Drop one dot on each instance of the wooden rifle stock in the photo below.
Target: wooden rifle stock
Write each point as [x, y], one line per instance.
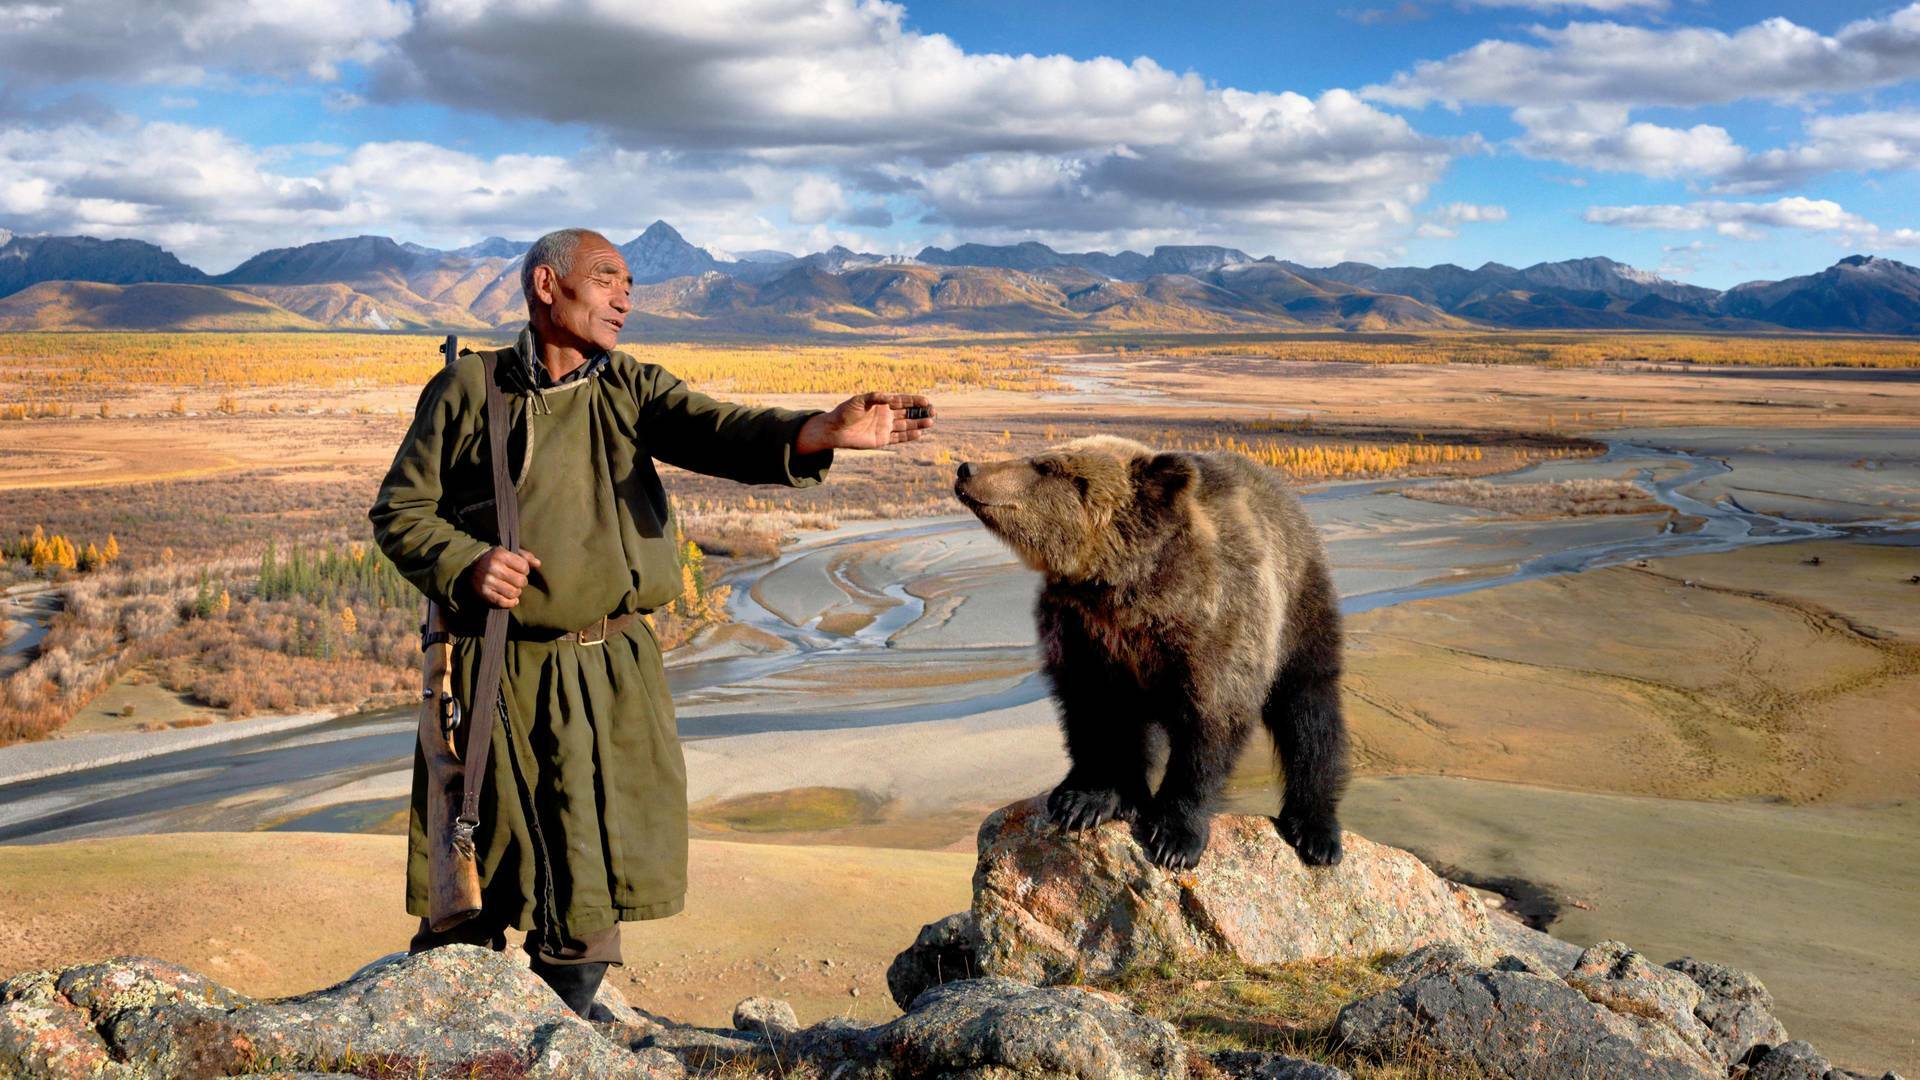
[453, 871]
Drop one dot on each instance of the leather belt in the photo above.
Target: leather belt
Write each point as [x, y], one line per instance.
[594, 633]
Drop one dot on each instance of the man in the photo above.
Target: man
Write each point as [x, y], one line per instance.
[583, 810]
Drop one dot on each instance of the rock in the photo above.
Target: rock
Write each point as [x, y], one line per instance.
[1253, 1065]
[945, 951]
[1428, 960]
[830, 1043]
[1516, 938]
[133, 1016]
[1049, 905]
[454, 1010]
[1518, 1025]
[993, 1027]
[702, 1049]
[1613, 975]
[1734, 1006]
[1794, 1060]
[768, 1016]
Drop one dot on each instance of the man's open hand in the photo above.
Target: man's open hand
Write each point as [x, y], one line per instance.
[499, 575]
[867, 422]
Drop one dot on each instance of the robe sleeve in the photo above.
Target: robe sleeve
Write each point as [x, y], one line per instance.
[686, 428]
[428, 550]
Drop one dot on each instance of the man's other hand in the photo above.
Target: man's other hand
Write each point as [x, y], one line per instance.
[867, 422]
[499, 575]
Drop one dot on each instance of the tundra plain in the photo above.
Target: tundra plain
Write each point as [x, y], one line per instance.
[1685, 721]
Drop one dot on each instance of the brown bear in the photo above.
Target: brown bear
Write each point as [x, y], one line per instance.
[1186, 596]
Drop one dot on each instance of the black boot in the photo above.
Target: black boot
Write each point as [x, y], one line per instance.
[577, 984]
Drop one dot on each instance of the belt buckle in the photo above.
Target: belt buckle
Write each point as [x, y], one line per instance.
[601, 640]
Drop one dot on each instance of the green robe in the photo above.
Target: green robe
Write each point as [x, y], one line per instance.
[589, 733]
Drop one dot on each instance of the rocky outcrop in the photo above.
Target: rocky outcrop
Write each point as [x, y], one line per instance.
[982, 996]
[455, 1011]
[1614, 1016]
[944, 951]
[1050, 906]
[997, 1027]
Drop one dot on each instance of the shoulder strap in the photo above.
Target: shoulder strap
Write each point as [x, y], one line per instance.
[493, 647]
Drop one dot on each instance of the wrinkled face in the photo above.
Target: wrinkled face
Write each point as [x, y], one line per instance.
[1054, 509]
[586, 307]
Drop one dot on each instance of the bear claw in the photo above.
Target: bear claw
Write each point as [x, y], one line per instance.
[1076, 809]
[1174, 843]
[1315, 840]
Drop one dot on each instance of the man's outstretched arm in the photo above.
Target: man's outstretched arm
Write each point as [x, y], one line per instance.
[686, 428]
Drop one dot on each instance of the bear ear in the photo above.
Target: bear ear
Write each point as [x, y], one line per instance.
[1162, 477]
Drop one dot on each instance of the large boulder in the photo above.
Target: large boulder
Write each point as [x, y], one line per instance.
[1515, 1024]
[1735, 1007]
[1051, 905]
[993, 1027]
[947, 950]
[454, 1011]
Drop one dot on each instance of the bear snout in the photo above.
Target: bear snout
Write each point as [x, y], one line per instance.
[965, 471]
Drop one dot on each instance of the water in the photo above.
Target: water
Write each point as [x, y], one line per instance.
[139, 795]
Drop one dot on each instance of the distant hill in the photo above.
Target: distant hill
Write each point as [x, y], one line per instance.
[1859, 292]
[374, 282]
[86, 305]
[29, 260]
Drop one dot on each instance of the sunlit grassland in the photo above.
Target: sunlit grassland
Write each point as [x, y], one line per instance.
[40, 368]
[1570, 349]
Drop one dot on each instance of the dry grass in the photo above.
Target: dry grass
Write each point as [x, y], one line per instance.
[1563, 498]
[48, 371]
[1220, 1003]
[1569, 349]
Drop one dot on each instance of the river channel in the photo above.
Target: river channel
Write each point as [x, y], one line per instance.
[1387, 549]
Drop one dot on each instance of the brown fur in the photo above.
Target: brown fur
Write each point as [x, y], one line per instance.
[1186, 596]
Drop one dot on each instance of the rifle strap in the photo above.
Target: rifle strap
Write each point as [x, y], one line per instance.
[493, 647]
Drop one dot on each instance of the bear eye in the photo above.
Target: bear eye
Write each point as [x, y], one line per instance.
[1046, 467]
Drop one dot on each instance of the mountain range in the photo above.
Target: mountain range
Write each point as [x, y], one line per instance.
[681, 289]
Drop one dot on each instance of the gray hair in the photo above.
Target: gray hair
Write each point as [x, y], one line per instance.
[556, 250]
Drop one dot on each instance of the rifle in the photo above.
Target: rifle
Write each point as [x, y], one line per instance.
[453, 871]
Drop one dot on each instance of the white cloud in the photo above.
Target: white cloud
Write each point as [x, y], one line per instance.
[1444, 224]
[1752, 220]
[832, 111]
[215, 200]
[1603, 137]
[1587, 62]
[1032, 145]
[1867, 141]
[179, 41]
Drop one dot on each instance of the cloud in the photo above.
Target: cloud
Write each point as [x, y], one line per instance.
[834, 112]
[1866, 141]
[1752, 220]
[1603, 137]
[215, 200]
[1606, 62]
[178, 41]
[1405, 12]
[1444, 223]
[1027, 144]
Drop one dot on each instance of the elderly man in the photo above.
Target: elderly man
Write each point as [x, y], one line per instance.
[583, 819]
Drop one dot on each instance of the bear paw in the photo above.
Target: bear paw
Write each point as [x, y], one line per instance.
[1175, 841]
[1078, 808]
[1315, 839]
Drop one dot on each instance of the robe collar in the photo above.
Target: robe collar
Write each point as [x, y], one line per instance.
[530, 374]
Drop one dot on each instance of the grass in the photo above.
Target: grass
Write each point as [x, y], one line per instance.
[1563, 498]
[1566, 349]
[1220, 1003]
[796, 809]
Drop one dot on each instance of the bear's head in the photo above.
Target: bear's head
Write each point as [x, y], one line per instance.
[1086, 510]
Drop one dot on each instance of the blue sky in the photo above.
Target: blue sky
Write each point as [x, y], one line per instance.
[1716, 143]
